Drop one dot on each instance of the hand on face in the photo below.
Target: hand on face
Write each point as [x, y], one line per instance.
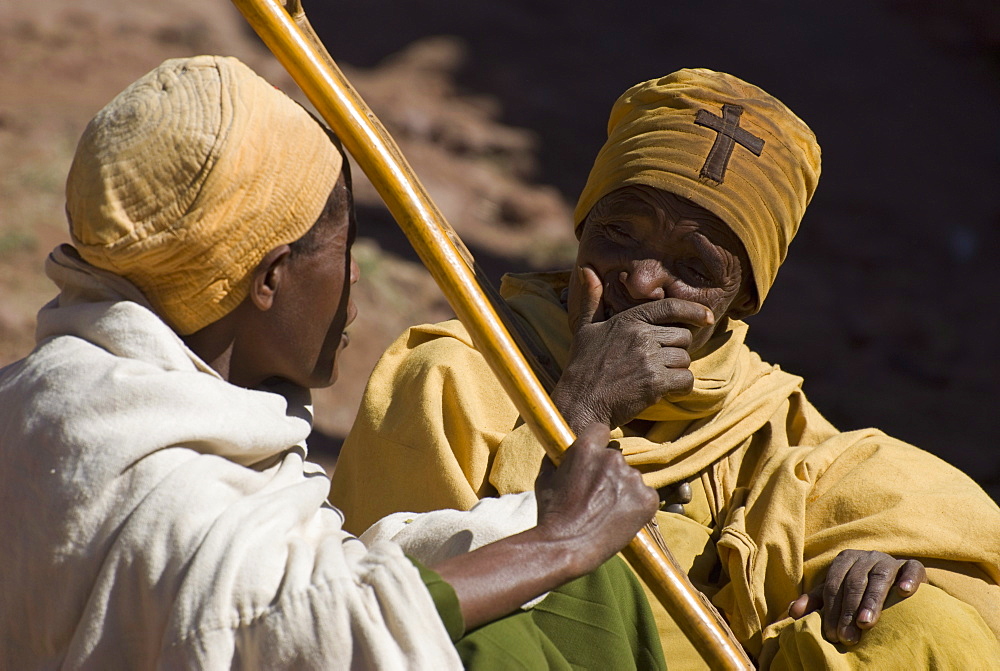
[655, 274]
[620, 366]
[855, 590]
[593, 500]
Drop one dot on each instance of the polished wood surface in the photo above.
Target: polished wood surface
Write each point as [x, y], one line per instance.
[287, 33]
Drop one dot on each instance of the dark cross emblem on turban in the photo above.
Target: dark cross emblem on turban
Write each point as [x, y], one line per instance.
[729, 133]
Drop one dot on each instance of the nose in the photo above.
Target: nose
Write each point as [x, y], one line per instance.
[645, 280]
[355, 271]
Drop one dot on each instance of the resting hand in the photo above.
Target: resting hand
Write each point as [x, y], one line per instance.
[620, 366]
[594, 501]
[855, 589]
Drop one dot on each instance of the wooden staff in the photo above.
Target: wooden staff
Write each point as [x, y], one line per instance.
[290, 38]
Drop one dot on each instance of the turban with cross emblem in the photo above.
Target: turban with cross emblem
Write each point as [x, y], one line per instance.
[723, 144]
[185, 180]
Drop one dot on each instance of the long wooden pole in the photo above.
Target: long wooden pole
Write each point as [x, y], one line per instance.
[301, 53]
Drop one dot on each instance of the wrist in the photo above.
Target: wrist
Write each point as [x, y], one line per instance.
[566, 556]
[577, 412]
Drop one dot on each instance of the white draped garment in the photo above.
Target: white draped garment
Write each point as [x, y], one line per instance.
[156, 516]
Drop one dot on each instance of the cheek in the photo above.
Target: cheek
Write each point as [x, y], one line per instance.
[717, 300]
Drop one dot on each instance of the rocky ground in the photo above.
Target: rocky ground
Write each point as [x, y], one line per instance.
[887, 305]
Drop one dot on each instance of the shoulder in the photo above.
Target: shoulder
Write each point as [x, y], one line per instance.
[429, 351]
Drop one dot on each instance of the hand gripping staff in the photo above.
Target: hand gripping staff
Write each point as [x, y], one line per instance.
[287, 33]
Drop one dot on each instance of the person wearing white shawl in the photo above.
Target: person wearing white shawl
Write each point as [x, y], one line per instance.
[159, 508]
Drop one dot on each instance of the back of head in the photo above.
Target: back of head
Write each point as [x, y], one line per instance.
[723, 144]
[185, 180]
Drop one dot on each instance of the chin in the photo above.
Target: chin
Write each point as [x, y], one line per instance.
[322, 378]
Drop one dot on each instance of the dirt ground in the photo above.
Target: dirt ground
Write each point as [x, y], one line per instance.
[888, 304]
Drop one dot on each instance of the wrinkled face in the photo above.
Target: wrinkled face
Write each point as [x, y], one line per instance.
[314, 305]
[647, 244]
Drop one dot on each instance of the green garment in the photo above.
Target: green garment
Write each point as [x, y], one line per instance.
[599, 621]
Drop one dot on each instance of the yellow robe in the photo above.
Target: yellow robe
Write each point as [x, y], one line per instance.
[778, 491]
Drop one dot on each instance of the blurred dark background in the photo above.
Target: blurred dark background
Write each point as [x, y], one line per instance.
[888, 302]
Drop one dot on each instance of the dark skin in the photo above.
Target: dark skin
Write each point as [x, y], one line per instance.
[291, 327]
[656, 276]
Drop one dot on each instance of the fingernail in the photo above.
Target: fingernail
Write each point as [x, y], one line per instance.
[865, 616]
[850, 634]
[711, 317]
[906, 586]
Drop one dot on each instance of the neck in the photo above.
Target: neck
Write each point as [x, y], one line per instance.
[214, 345]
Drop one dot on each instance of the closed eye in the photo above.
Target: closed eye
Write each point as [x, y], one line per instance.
[617, 232]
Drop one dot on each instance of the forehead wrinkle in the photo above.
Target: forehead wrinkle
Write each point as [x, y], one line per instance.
[624, 204]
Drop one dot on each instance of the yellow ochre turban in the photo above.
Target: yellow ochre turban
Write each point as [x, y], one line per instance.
[185, 180]
[723, 144]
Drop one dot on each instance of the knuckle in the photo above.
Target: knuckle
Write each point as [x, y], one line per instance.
[674, 357]
[882, 572]
[870, 602]
[855, 584]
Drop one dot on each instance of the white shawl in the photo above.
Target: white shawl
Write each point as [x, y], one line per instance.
[155, 516]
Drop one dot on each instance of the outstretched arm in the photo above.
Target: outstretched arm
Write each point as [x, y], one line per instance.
[588, 509]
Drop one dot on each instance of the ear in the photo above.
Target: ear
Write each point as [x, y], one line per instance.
[268, 277]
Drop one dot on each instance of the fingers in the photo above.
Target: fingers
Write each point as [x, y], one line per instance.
[880, 579]
[833, 597]
[672, 356]
[591, 292]
[856, 588]
[807, 603]
[595, 435]
[672, 311]
[666, 336]
[677, 382]
[593, 480]
[910, 576]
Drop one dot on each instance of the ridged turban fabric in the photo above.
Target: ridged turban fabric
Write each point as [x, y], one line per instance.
[776, 490]
[185, 180]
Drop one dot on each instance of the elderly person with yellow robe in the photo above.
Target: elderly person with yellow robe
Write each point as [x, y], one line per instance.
[159, 510]
[822, 548]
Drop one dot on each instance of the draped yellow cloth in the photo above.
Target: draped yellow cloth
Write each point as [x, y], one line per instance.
[779, 491]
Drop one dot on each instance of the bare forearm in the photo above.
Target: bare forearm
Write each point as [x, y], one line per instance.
[588, 509]
[497, 579]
